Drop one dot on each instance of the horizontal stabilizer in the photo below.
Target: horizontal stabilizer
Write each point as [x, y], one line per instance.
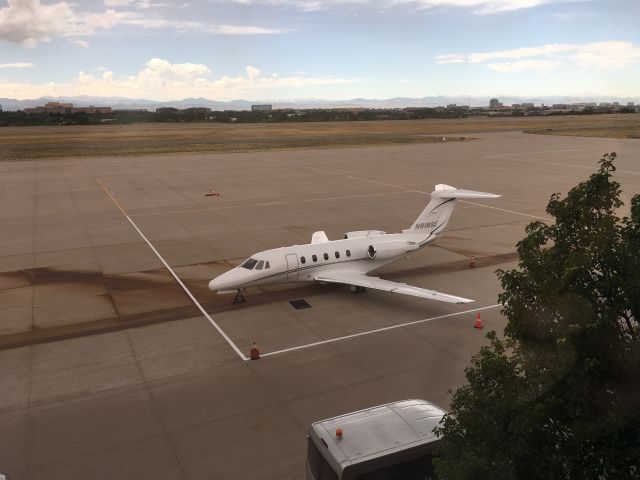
[319, 237]
[447, 191]
[377, 283]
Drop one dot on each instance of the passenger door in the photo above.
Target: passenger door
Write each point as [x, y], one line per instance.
[292, 267]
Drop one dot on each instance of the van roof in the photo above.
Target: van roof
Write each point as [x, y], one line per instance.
[380, 430]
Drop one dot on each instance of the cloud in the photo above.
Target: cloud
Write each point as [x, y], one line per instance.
[245, 30]
[118, 3]
[480, 7]
[514, 53]
[606, 55]
[17, 65]
[79, 42]
[29, 22]
[520, 65]
[163, 80]
[126, 3]
[158, 68]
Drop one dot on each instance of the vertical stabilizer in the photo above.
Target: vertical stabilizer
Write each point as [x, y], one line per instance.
[434, 218]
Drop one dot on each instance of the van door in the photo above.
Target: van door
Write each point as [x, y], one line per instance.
[292, 267]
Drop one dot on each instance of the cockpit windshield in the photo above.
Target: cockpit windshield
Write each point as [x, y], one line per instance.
[249, 263]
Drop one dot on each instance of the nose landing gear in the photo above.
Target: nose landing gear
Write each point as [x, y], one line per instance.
[239, 297]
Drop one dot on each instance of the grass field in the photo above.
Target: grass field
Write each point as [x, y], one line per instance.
[24, 143]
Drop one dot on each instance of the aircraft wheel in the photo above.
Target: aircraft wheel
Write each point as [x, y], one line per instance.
[239, 298]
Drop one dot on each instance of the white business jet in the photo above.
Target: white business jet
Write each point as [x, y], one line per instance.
[347, 261]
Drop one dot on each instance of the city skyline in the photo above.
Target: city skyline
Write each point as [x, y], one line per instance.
[281, 50]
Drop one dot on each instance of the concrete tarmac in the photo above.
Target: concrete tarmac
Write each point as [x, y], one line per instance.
[110, 370]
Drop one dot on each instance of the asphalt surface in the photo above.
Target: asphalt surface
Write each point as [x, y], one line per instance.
[109, 369]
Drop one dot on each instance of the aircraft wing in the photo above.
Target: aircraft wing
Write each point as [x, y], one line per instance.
[377, 283]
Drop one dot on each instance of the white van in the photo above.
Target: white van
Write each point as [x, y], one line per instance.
[392, 441]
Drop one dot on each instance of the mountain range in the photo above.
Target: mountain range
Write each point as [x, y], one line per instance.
[117, 103]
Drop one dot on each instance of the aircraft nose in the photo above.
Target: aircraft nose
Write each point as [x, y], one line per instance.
[223, 282]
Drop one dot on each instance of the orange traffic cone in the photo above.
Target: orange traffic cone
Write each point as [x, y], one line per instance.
[254, 354]
[478, 322]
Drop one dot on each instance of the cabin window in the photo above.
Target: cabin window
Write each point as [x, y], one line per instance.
[303, 260]
[314, 258]
[348, 253]
[337, 254]
[249, 263]
[326, 256]
[260, 265]
[266, 265]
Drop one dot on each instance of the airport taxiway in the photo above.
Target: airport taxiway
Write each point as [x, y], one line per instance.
[108, 367]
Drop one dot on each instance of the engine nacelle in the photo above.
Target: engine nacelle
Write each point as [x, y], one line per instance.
[390, 249]
[364, 233]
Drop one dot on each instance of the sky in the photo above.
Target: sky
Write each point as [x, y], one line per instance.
[311, 49]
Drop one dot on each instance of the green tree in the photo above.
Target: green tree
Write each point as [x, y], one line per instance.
[559, 396]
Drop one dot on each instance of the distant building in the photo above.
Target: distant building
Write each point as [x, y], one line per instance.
[604, 105]
[261, 108]
[629, 104]
[92, 109]
[60, 108]
[495, 103]
[198, 110]
[527, 105]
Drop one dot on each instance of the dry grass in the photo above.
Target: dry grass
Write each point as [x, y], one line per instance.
[20, 143]
[632, 131]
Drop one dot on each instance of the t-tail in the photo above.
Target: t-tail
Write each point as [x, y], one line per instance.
[434, 218]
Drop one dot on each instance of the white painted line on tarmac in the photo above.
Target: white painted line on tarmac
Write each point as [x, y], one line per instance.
[545, 151]
[377, 330]
[406, 189]
[269, 204]
[552, 164]
[184, 287]
[505, 210]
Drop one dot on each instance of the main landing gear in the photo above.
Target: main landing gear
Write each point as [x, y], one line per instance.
[240, 297]
[357, 289]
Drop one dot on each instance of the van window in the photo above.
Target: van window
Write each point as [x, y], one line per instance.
[326, 256]
[314, 258]
[417, 469]
[348, 253]
[303, 260]
[337, 254]
[319, 467]
[260, 265]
